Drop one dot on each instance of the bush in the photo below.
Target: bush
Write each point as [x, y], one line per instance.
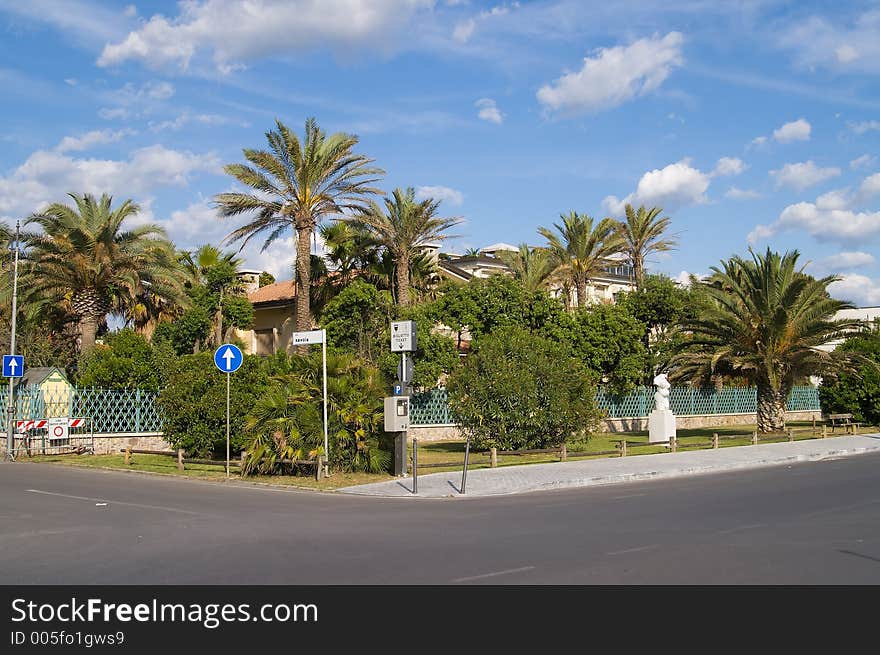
[125, 361]
[186, 333]
[608, 340]
[519, 390]
[286, 421]
[194, 403]
[357, 319]
[857, 394]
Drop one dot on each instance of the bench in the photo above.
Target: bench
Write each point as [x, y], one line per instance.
[843, 420]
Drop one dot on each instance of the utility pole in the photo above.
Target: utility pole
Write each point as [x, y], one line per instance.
[10, 401]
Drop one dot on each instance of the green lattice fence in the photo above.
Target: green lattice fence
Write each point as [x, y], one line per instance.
[432, 407]
[135, 410]
[111, 410]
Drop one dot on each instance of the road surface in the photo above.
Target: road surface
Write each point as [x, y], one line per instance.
[816, 522]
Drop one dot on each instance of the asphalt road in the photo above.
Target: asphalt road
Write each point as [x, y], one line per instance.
[816, 522]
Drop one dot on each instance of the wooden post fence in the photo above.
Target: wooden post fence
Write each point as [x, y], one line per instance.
[755, 438]
[715, 440]
[493, 457]
[128, 456]
[180, 459]
[563, 452]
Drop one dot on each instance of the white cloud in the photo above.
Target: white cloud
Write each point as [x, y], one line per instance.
[864, 126]
[464, 30]
[47, 175]
[865, 161]
[89, 139]
[116, 113]
[802, 175]
[186, 118]
[684, 278]
[852, 47]
[234, 31]
[838, 216]
[130, 11]
[489, 111]
[846, 54]
[758, 141]
[798, 130]
[741, 194]
[443, 193]
[670, 187]
[614, 75]
[729, 166]
[858, 289]
[870, 185]
[71, 81]
[846, 261]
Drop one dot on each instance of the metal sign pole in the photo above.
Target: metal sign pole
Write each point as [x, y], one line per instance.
[10, 401]
[324, 362]
[227, 425]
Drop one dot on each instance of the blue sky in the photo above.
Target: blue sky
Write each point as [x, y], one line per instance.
[750, 123]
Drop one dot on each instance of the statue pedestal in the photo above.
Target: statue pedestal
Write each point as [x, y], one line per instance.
[661, 425]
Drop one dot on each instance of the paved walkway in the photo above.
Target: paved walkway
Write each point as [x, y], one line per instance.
[561, 475]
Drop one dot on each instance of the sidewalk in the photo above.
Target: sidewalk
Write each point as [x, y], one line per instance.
[563, 475]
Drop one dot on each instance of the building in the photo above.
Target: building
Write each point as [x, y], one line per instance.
[274, 318]
[274, 311]
[867, 314]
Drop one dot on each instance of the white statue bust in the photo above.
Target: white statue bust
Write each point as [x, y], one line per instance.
[661, 396]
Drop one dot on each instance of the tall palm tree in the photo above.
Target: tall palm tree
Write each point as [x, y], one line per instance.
[531, 266]
[218, 271]
[642, 234]
[765, 321]
[581, 250]
[403, 228]
[297, 184]
[87, 256]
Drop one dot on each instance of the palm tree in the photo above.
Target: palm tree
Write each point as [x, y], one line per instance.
[87, 256]
[531, 266]
[297, 184]
[581, 250]
[403, 228]
[765, 321]
[218, 271]
[642, 233]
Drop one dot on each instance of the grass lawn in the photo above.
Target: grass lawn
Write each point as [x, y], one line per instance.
[450, 453]
[168, 465]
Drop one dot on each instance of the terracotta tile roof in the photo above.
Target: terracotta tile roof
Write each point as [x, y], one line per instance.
[278, 292]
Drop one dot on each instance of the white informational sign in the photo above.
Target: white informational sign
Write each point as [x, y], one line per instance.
[58, 428]
[403, 336]
[307, 338]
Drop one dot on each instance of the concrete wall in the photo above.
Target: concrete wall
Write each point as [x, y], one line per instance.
[111, 444]
[614, 425]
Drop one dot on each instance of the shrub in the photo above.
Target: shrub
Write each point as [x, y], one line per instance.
[520, 390]
[286, 422]
[357, 319]
[194, 403]
[608, 340]
[125, 361]
[856, 393]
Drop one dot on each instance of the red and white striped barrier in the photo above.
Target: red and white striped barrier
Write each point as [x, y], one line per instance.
[36, 424]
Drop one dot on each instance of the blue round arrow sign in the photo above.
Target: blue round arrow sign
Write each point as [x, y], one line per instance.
[228, 358]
